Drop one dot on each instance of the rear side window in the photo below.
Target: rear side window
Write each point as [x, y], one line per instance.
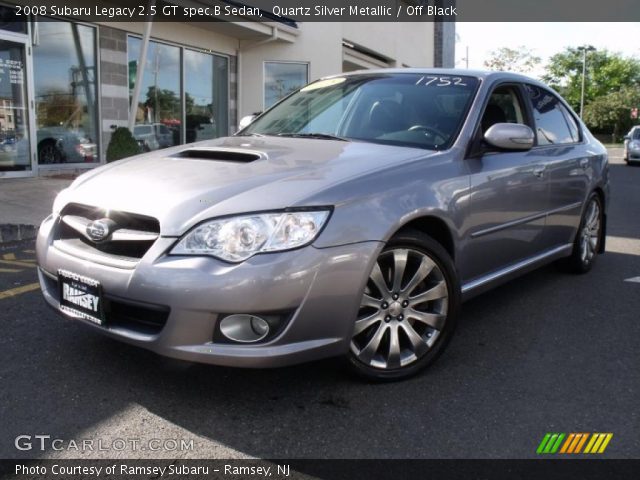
[554, 124]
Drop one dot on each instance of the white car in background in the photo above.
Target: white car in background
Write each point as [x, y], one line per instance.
[632, 145]
[153, 136]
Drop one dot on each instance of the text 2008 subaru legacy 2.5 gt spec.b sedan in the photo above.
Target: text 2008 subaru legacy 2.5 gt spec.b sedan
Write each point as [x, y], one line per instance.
[350, 219]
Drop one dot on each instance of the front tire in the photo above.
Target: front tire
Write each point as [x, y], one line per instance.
[587, 242]
[408, 310]
[48, 153]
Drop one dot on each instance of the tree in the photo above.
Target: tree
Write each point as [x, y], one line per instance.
[122, 145]
[507, 59]
[56, 107]
[164, 103]
[612, 112]
[606, 73]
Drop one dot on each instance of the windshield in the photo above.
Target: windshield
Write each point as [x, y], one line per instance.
[417, 110]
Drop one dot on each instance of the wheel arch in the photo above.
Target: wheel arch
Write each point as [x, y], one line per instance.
[436, 228]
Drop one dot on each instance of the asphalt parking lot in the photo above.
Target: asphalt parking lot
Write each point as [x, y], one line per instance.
[548, 352]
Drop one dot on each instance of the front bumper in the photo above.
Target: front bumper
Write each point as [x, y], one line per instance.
[633, 155]
[319, 288]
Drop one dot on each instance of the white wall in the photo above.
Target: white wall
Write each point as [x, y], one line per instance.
[320, 44]
[403, 42]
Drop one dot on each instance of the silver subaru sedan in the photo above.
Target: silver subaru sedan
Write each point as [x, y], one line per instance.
[351, 219]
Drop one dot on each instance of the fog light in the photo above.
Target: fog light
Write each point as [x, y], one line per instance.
[244, 328]
[259, 326]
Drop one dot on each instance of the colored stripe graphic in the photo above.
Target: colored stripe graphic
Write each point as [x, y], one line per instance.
[567, 443]
[550, 443]
[581, 443]
[556, 446]
[543, 443]
[572, 443]
[605, 443]
[598, 443]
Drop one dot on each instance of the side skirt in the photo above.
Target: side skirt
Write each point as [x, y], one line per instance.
[482, 284]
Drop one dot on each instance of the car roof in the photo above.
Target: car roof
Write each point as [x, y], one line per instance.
[480, 74]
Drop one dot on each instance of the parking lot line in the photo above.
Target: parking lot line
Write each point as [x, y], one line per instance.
[19, 290]
[9, 270]
[18, 263]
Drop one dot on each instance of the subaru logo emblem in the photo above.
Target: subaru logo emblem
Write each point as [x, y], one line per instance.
[99, 230]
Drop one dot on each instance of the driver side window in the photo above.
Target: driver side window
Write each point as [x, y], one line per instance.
[504, 107]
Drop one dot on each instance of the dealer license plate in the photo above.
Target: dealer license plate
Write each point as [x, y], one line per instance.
[80, 296]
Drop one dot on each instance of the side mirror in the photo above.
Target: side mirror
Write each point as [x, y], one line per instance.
[510, 136]
[245, 121]
[627, 137]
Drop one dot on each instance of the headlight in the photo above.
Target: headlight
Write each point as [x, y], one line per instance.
[238, 238]
[634, 145]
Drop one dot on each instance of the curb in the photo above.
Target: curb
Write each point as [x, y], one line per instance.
[14, 233]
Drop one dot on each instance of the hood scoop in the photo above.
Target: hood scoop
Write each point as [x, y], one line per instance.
[220, 154]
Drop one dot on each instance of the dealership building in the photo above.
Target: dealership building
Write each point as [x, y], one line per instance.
[66, 83]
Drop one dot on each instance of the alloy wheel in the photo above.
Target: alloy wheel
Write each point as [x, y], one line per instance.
[403, 310]
[590, 234]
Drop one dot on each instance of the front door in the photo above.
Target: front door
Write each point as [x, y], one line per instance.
[16, 159]
[508, 197]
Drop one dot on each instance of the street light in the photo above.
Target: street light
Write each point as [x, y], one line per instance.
[585, 49]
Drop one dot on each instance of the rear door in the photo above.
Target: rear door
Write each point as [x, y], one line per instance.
[509, 193]
[568, 164]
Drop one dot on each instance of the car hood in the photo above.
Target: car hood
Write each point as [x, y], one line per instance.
[182, 191]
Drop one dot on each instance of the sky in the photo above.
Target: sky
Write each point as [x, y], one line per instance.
[544, 39]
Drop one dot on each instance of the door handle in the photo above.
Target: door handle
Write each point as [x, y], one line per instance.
[538, 171]
[584, 162]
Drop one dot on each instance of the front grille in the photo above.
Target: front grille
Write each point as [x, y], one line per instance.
[132, 237]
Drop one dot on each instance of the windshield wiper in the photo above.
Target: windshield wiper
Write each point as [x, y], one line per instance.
[321, 136]
[249, 135]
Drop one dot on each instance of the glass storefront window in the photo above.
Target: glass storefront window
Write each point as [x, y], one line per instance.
[206, 93]
[65, 93]
[11, 22]
[14, 123]
[159, 115]
[281, 79]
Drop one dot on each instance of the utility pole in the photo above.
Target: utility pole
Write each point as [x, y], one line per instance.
[585, 49]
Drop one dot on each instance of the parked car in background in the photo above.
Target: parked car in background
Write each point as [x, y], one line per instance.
[631, 152]
[8, 144]
[153, 136]
[351, 219]
[164, 135]
[145, 135]
[64, 145]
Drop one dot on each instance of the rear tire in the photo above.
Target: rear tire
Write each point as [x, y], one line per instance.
[588, 238]
[408, 310]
